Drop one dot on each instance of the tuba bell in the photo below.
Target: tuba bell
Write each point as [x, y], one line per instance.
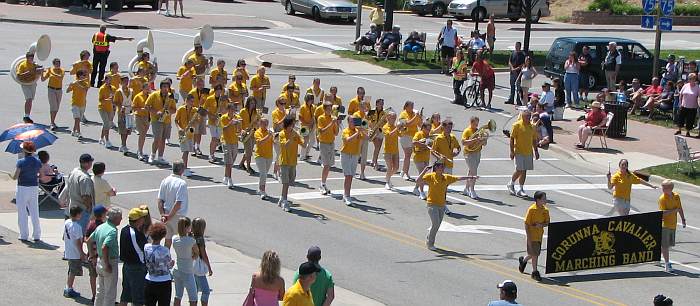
[304, 131]
[146, 43]
[484, 132]
[204, 38]
[41, 50]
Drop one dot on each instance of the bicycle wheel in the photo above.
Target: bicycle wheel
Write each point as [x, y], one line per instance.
[469, 96]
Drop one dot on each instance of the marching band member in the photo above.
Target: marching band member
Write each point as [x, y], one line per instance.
[621, 184]
[291, 96]
[333, 96]
[218, 75]
[263, 154]
[237, 91]
[55, 89]
[141, 117]
[354, 104]
[349, 154]
[523, 140]
[289, 143]
[435, 124]
[536, 219]
[437, 182]
[316, 91]
[79, 89]
[422, 154]
[411, 121]
[447, 147]
[83, 64]
[115, 77]
[306, 118]
[122, 102]
[364, 140]
[160, 105]
[200, 96]
[201, 63]
[216, 106]
[278, 116]
[171, 95]
[249, 120]
[327, 131]
[105, 107]
[259, 85]
[391, 148]
[186, 118]
[136, 83]
[375, 118]
[240, 68]
[230, 128]
[29, 72]
[472, 154]
[186, 74]
[291, 80]
[149, 68]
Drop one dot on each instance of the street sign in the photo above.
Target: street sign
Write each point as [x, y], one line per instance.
[648, 6]
[648, 22]
[667, 6]
[666, 23]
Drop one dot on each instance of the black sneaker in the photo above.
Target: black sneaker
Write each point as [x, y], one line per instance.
[522, 264]
[536, 276]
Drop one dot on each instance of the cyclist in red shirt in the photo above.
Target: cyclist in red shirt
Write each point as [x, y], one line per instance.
[483, 69]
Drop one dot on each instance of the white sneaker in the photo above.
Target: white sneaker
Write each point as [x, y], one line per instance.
[74, 134]
[668, 268]
[167, 141]
[473, 195]
[324, 189]
[122, 149]
[230, 182]
[108, 144]
[447, 211]
[187, 173]
[388, 186]
[101, 142]
[285, 205]
[467, 192]
[80, 137]
[416, 191]
[511, 188]
[521, 193]
[140, 156]
[422, 195]
[347, 200]
[363, 177]
[279, 202]
[151, 159]
[263, 196]
[224, 181]
[432, 248]
[162, 160]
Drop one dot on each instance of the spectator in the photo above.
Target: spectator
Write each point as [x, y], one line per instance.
[73, 250]
[635, 94]
[103, 189]
[267, 286]
[491, 34]
[547, 98]
[661, 300]
[107, 245]
[300, 293]
[663, 101]
[475, 44]
[376, 16]
[536, 219]
[80, 190]
[173, 200]
[559, 100]
[483, 69]
[571, 79]
[652, 92]
[692, 68]
[414, 44]
[689, 105]
[515, 65]
[48, 174]
[132, 240]
[158, 289]
[508, 294]
[99, 212]
[459, 73]
[677, 99]
[369, 39]
[670, 205]
[186, 250]
[202, 266]
[671, 73]
[584, 61]
[527, 73]
[622, 182]
[611, 64]
[27, 196]
[388, 42]
[543, 122]
[447, 40]
[322, 289]
[595, 118]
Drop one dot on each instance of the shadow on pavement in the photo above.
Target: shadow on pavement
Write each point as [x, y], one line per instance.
[617, 275]
[56, 213]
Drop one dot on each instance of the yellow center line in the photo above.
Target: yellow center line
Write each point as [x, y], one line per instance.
[474, 261]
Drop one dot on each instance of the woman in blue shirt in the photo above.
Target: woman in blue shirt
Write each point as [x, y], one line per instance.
[27, 197]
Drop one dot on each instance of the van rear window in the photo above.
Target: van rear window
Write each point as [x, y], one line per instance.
[561, 48]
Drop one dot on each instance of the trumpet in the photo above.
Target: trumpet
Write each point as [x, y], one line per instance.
[377, 126]
[482, 132]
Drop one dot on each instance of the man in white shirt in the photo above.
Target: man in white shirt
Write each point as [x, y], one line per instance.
[547, 98]
[448, 39]
[173, 200]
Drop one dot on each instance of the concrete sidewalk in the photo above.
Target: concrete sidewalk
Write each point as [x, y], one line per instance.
[322, 62]
[229, 283]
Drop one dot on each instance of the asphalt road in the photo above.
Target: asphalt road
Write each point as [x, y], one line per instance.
[376, 248]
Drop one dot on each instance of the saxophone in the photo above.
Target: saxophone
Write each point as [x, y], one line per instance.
[376, 128]
[188, 132]
[247, 133]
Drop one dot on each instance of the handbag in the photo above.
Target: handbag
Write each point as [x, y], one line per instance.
[250, 298]
[200, 267]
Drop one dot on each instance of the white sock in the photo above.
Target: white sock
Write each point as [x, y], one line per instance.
[521, 187]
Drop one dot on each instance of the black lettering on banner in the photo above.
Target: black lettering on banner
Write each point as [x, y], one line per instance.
[605, 242]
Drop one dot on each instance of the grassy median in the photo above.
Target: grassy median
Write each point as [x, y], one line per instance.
[669, 171]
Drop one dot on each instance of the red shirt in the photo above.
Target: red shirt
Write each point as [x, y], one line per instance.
[594, 118]
[483, 69]
[653, 90]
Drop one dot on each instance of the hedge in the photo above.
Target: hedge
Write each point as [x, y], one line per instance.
[621, 7]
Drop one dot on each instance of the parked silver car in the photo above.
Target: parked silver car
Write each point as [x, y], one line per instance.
[437, 8]
[499, 8]
[322, 9]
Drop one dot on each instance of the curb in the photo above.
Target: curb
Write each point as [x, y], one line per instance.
[658, 179]
[600, 30]
[298, 68]
[561, 151]
[73, 24]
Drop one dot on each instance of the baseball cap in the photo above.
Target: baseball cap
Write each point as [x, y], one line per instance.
[314, 253]
[137, 213]
[308, 268]
[84, 158]
[99, 209]
[508, 286]
[662, 300]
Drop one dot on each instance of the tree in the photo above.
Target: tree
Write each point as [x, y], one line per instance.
[527, 6]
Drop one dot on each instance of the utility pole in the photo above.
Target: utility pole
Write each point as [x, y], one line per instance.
[478, 16]
[657, 42]
[358, 20]
[389, 13]
[102, 10]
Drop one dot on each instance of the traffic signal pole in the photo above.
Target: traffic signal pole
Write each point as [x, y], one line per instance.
[657, 41]
[358, 20]
[389, 13]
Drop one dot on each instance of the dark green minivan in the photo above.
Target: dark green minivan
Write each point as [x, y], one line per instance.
[637, 61]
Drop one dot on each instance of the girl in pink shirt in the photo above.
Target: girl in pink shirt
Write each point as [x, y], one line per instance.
[689, 105]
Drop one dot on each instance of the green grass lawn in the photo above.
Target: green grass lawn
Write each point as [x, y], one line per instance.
[669, 171]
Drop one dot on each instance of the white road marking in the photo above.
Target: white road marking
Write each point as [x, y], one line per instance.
[303, 40]
[279, 24]
[579, 215]
[477, 228]
[216, 41]
[202, 14]
[269, 41]
[402, 87]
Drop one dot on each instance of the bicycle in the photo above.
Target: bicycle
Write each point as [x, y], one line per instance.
[471, 95]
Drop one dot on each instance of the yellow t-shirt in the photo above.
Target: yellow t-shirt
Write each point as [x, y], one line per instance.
[351, 147]
[247, 117]
[199, 97]
[289, 148]
[55, 77]
[296, 296]
[155, 103]
[284, 87]
[277, 119]
[318, 111]
[292, 101]
[105, 96]
[411, 128]
[353, 105]
[536, 215]
[524, 135]
[136, 84]
[82, 65]
[360, 114]
[229, 135]
[434, 128]
[336, 101]
[391, 141]
[214, 107]
[138, 106]
[25, 66]
[437, 191]
[263, 148]
[420, 154]
[468, 132]
[667, 203]
[237, 92]
[623, 184]
[148, 68]
[79, 90]
[243, 72]
[255, 85]
[115, 79]
[199, 61]
[327, 136]
[445, 145]
[318, 94]
[183, 116]
[306, 114]
[120, 95]
[185, 80]
[215, 73]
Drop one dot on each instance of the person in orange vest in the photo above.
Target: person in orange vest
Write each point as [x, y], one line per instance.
[100, 51]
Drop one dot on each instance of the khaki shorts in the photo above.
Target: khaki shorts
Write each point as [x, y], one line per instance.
[349, 163]
[106, 119]
[75, 267]
[420, 165]
[29, 91]
[364, 147]
[230, 153]
[201, 128]
[288, 174]
[534, 248]
[248, 145]
[668, 237]
[141, 125]
[406, 142]
[54, 99]
[473, 159]
[160, 129]
[77, 111]
[215, 132]
[523, 162]
[171, 227]
[121, 124]
[327, 154]
[621, 203]
[92, 269]
[187, 145]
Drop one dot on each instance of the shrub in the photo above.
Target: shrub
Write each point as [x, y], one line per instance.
[687, 10]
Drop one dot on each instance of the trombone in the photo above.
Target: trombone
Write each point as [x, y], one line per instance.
[482, 132]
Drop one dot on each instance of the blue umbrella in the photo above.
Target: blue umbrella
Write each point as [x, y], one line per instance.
[13, 131]
[40, 138]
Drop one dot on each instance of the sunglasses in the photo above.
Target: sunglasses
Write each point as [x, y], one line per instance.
[448, 124]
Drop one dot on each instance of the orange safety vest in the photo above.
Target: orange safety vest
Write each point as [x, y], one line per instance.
[100, 43]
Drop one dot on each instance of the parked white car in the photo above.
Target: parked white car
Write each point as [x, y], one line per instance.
[322, 9]
[511, 9]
